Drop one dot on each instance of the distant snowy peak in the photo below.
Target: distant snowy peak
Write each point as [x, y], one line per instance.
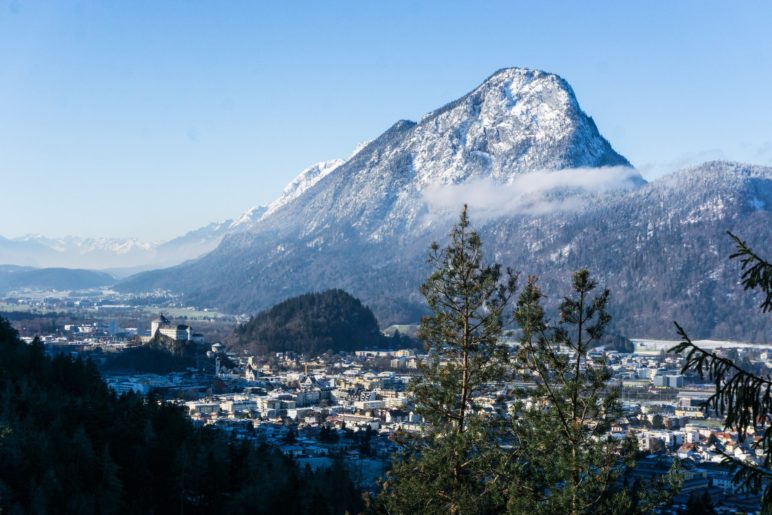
[721, 187]
[304, 181]
[75, 244]
[110, 253]
[712, 174]
[247, 218]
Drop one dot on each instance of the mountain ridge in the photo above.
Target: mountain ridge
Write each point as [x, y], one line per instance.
[14, 278]
[366, 225]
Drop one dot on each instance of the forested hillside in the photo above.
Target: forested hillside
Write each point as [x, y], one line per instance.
[312, 324]
[69, 445]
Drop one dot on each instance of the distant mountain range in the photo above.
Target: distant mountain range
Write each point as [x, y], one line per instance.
[548, 193]
[121, 257]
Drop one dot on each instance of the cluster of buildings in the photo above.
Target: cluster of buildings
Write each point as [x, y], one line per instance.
[106, 335]
[342, 393]
[367, 391]
[177, 332]
[76, 338]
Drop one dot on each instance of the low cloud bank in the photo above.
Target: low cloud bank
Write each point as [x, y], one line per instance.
[533, 193]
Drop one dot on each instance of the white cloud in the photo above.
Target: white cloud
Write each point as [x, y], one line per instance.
[532, 193]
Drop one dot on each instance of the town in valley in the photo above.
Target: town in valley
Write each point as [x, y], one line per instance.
[356, 405]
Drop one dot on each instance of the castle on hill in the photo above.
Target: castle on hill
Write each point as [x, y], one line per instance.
[177, 332]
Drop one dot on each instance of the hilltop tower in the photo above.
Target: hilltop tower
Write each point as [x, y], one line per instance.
[157, 324]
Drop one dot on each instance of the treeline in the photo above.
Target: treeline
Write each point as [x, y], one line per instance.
[70, 445]
[315, 323]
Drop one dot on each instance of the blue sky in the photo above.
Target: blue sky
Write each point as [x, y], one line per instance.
[147, 119]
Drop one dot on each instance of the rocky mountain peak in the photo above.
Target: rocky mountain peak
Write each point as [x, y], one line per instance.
[518, 120]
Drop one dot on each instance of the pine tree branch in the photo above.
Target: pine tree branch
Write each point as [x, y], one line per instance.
[743, 396]
[554, 358]
[756, 272]
[686, 343]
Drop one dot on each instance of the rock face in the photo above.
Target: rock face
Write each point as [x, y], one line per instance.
[546, 190]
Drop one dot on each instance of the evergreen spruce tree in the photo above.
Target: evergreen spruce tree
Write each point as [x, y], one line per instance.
[563, 459]
[743, 398]
[451, 467]
[568, 463]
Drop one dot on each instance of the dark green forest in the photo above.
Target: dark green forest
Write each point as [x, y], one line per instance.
[314, 323]
[70, 445]
[161, 355]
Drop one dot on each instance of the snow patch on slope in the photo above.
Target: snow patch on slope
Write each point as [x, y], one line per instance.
[247, 218]
[304, 181]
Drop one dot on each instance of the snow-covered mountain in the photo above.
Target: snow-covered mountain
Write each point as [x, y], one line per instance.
[661, 248]
[547, 191]
[517, 121]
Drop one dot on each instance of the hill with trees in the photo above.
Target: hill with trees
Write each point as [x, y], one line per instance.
[313, 323]
[159, 356]
[20, 277]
